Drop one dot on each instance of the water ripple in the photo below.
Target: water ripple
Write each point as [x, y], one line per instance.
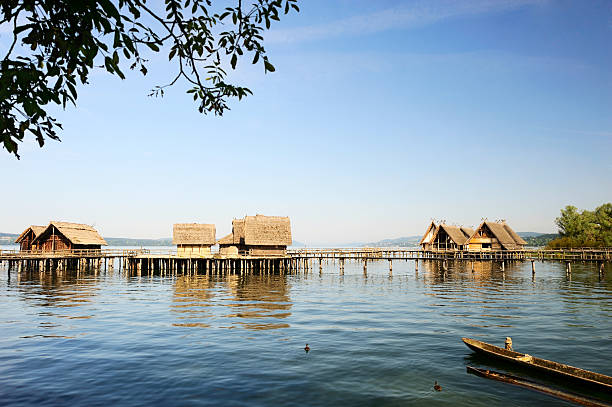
[376, 339]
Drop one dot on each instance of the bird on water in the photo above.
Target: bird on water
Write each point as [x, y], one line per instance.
[437, 387]
[307, 348]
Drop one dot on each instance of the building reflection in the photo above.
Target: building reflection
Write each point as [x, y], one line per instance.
[254, 302]
[59, 300]
[476, 293]
[56, 290]
[436, 271]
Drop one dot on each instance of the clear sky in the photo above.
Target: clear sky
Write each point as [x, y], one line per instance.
[381, 115]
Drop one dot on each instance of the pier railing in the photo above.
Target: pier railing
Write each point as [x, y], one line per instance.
[79, 253]
[390, 253]
[586, 254]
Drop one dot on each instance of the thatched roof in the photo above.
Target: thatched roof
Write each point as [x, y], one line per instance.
[194, 234]
[457, 234]
[37, 230]
[467, 231]
[226, 240]
[504, 234]
[238, 231]
[431, 228]
[259, 230]
[515, 236]
[263, 230]
[76, 233]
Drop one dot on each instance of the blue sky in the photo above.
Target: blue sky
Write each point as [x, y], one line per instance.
[381, 115]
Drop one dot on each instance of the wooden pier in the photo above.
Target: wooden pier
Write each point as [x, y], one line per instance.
[374, 253]
[145, 261]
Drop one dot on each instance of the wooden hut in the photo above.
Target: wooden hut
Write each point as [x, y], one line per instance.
[427, 239]
[258, 236]
[227, 247]
[25, 239]
[193, 239]
[68, 236]
[448, 237]
[491, 236]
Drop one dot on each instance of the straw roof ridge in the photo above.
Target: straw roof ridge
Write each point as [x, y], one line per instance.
[77, 233]
[34, 228]
[194, 234]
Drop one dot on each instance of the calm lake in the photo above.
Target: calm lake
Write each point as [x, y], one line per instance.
[375, 339]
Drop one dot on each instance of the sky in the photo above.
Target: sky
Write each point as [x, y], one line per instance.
[381, 116]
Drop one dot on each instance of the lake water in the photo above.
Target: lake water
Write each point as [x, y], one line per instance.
[376, 340]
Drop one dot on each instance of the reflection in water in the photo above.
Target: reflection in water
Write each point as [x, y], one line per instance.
[489, 296]
[255, 302]
[376, 339]
[56, 299]
[53, 290]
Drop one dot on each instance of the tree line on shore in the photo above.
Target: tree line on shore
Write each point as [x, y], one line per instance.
[584, 228]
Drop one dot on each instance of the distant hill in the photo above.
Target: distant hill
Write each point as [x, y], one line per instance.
[529, 234]
[122, 241]
[540, 240]
[408, 241]
[8, 238]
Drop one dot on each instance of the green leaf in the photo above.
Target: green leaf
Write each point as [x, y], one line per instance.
[72, 90]
[110, 9]
[268, 66]
[117, 40]
[153, 46]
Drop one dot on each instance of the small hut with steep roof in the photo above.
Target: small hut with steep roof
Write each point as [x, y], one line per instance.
[25, 239]
[257, 236]
[68, 236]
[193, 239]
[427, 239]
[491, 236]
[447, 237]
[227, 247]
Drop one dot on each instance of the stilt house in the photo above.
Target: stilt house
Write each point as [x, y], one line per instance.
[25, 239]
[228, 245]
[257, 236]
[193, 239]
[427, 239]
[448, 237]
[68, 236]
[492, 236]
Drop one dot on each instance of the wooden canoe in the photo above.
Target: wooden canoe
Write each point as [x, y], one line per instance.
[519, 381]
[595, 380]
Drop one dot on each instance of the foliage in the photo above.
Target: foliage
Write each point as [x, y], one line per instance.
[540, 240]
[584, 228]
[57, 43]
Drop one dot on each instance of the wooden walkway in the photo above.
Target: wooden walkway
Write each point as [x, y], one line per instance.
[597, 255]
[140, 261]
